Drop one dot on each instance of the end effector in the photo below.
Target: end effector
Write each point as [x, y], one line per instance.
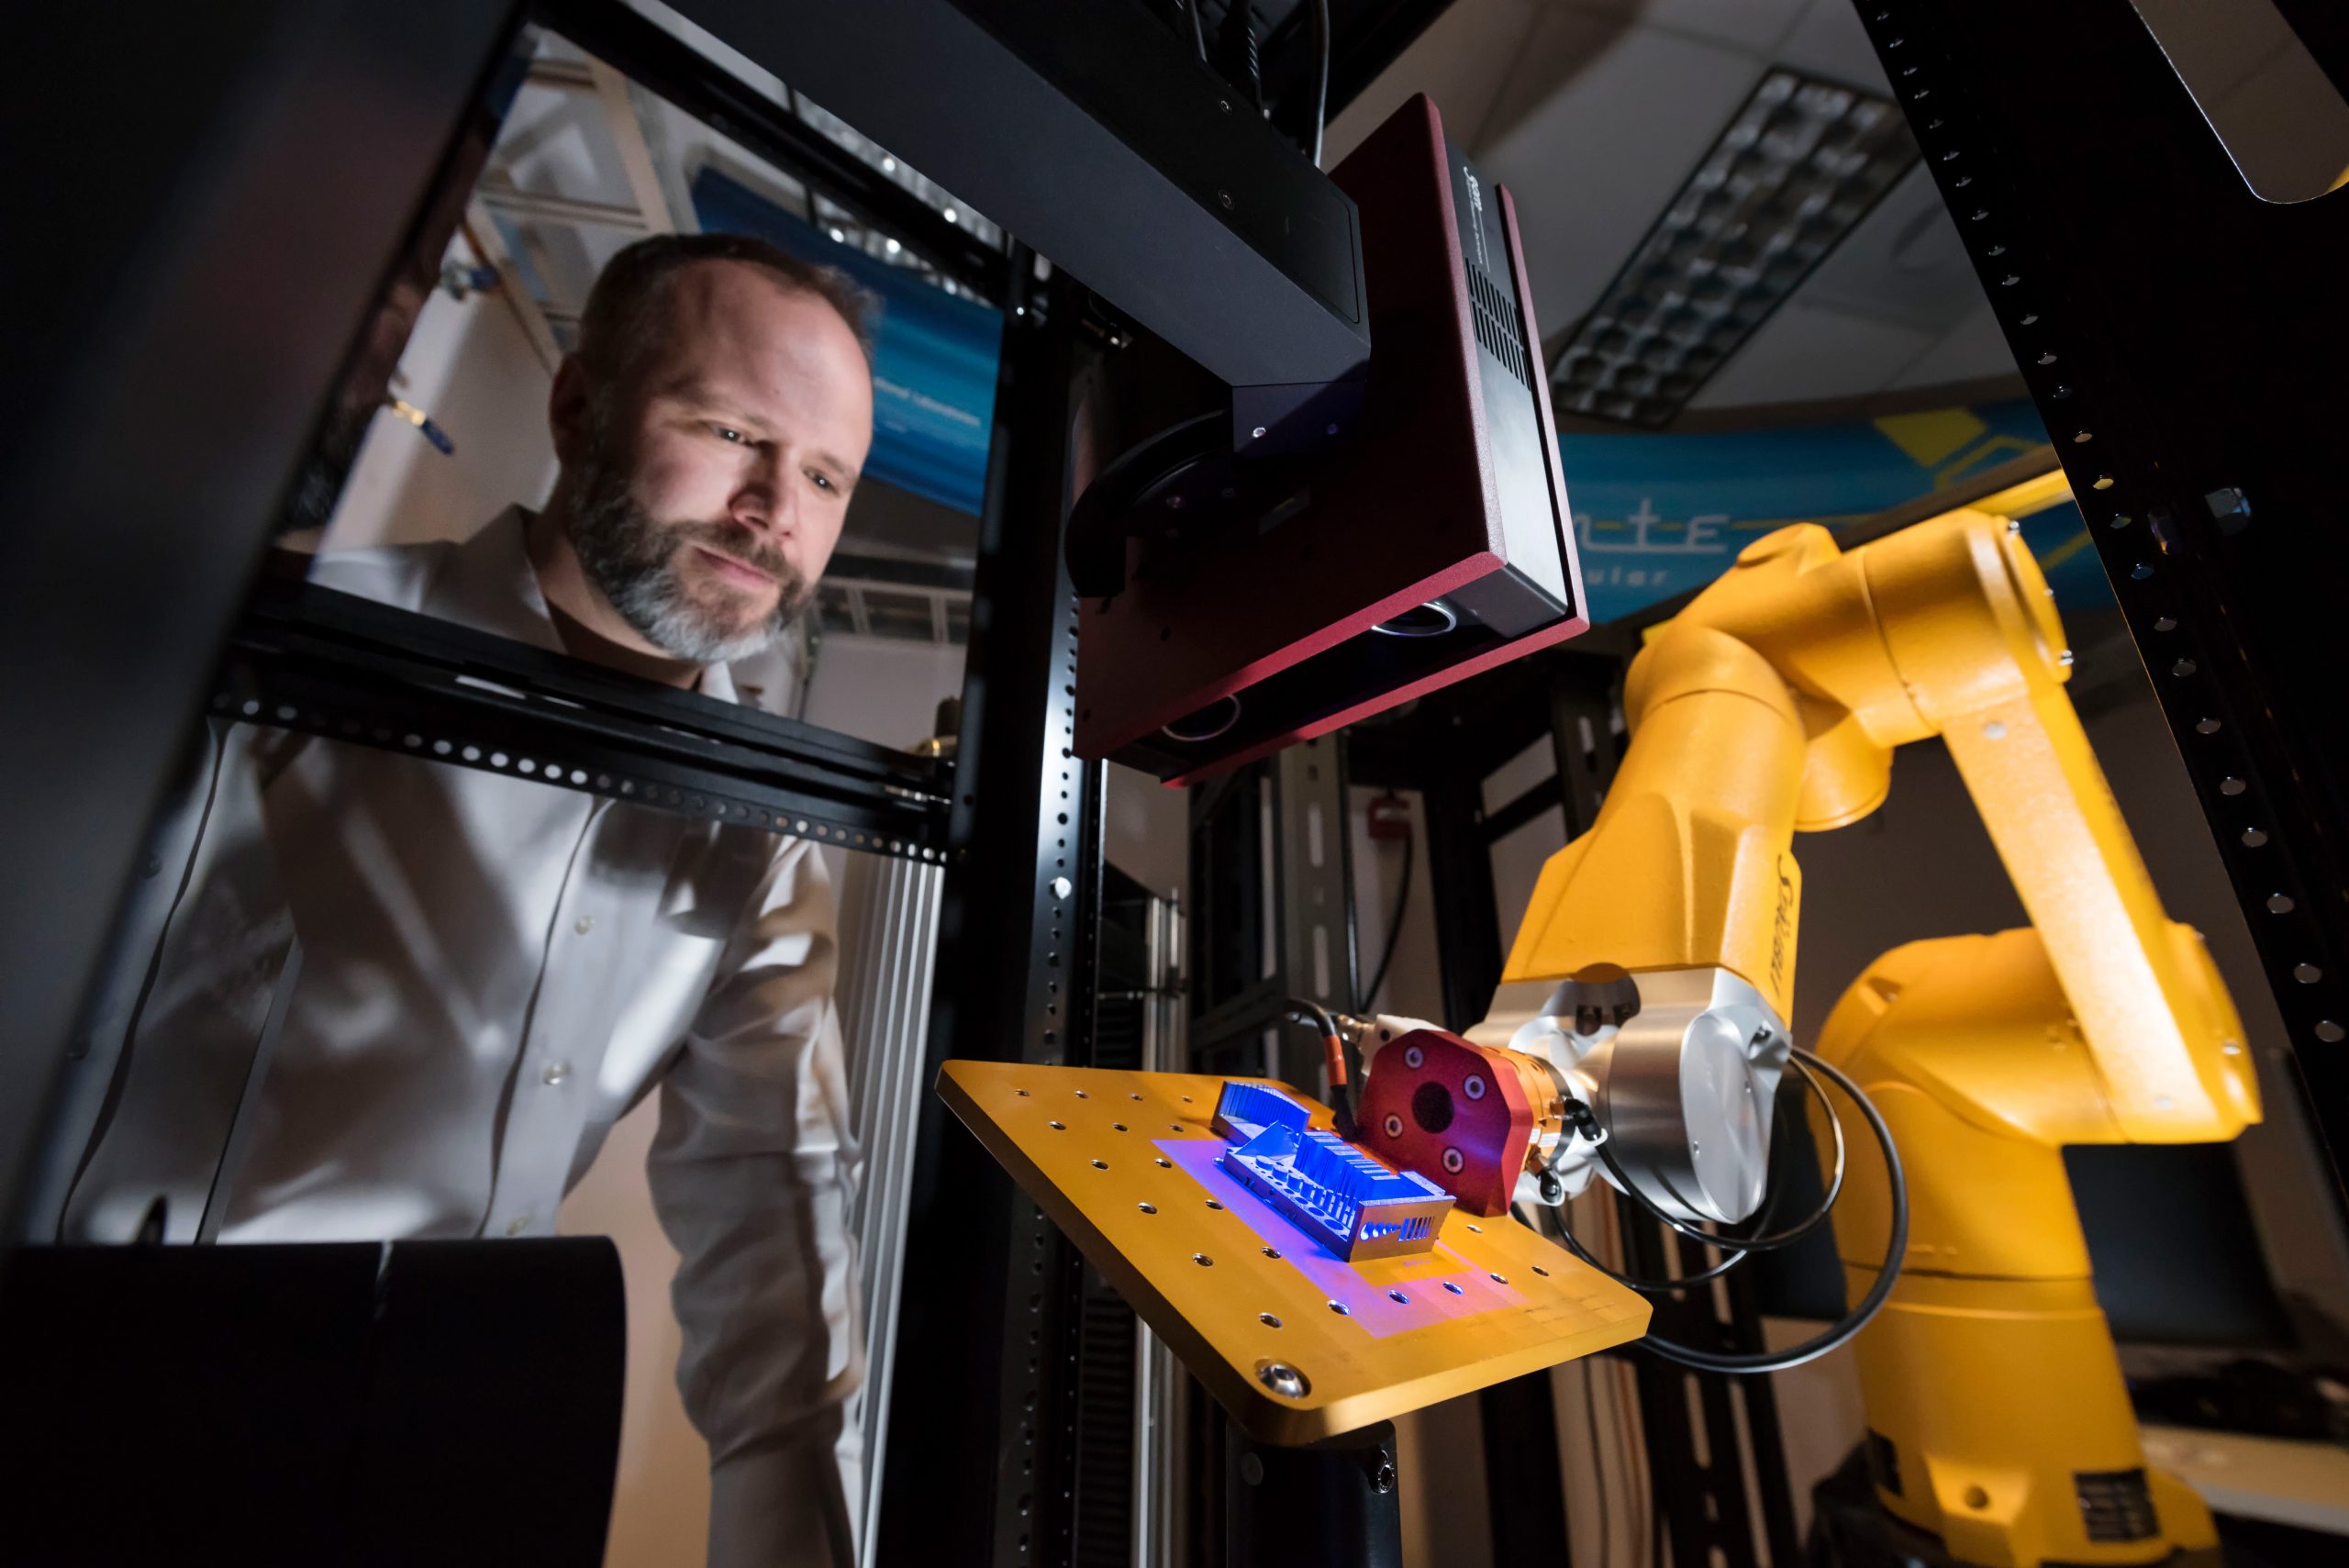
[1662, 1082]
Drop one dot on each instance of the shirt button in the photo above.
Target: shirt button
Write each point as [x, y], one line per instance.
[585, 924]
[554, 1072]
[515, 1226]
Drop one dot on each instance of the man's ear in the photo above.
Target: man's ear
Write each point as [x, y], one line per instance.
[567, 411]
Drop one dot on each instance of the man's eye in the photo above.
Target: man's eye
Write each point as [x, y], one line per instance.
[727, 433]
[823, 481]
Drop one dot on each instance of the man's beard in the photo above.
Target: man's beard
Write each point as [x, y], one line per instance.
[635, 559]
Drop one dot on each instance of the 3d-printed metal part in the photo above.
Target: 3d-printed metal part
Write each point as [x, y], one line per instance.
[1349, 1202]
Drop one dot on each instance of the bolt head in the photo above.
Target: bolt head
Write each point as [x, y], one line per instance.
[1258, 433]
[1413, 1056]
[1252, 1469]
[1283, 1379]
[1394, 1125]
[1474, 1088]
[1453, 1161]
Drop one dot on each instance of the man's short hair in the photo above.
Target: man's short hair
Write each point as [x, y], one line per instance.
[624, 307]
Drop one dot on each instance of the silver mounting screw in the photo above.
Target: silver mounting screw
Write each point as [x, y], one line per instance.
[1283, 1379]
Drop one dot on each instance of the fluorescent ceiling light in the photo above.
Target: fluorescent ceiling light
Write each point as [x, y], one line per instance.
[1793, 173]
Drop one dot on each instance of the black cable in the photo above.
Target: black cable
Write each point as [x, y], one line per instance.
[1236, 44]
[1895, 1250]
[1735, 1249]
[1394, 924]
[1198, 31]
[1765, 1242]
[1314, 1016]
[1653, 1287]
[1320, 12]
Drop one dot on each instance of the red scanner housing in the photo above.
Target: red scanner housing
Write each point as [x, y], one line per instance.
[1436, 544]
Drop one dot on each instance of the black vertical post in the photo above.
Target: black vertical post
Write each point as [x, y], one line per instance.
[981, 1459]
[1524, 1480]
[1332, 1505]
[1460, 879]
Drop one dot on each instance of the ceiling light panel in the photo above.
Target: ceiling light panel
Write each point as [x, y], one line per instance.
[1795, 171]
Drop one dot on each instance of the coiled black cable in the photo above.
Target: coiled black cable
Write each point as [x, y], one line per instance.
[1852, 1322]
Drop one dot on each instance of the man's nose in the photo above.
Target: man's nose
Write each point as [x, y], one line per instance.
[762, 500]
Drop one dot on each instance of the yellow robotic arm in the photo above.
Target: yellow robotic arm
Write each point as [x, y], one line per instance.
[1999, 1420]
[1772, 703]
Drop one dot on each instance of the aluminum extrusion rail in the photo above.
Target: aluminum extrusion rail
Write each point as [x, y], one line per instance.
[346, 668]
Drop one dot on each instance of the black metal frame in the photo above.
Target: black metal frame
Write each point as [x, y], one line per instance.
[984, 1421]
[2173, 331]
[349, 668]
[1234, 997]
[666, 66]
[153, 432]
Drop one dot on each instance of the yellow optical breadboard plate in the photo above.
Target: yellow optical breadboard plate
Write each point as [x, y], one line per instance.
[1124, 1162]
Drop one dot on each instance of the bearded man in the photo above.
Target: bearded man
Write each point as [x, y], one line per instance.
[493, 971]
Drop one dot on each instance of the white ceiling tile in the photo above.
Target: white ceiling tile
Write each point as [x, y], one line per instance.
[1804, 354]
[1974, 349]
[1754, 25]
[1829, 41]
[1904, 263]
[1459, 61]
[1562, 43]
[1594, 163]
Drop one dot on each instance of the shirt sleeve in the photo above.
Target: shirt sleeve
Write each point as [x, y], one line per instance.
[747, 1174]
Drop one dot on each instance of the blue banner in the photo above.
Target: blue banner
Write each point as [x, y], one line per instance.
[933, 355]
[1658, 515]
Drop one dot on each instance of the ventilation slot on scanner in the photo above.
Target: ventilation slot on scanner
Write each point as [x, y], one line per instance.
[1499, 325]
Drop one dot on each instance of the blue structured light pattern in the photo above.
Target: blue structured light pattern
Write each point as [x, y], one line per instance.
[1342, 1197]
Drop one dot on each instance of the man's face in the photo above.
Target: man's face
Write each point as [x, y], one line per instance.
[709, 488]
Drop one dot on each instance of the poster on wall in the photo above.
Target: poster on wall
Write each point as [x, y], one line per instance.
[934, 354]
[1658, 515]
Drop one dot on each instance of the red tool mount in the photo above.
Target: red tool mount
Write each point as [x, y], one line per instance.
[1468, 1117]
[1235, 603]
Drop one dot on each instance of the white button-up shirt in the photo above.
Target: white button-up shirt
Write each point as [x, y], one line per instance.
[494, 970]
